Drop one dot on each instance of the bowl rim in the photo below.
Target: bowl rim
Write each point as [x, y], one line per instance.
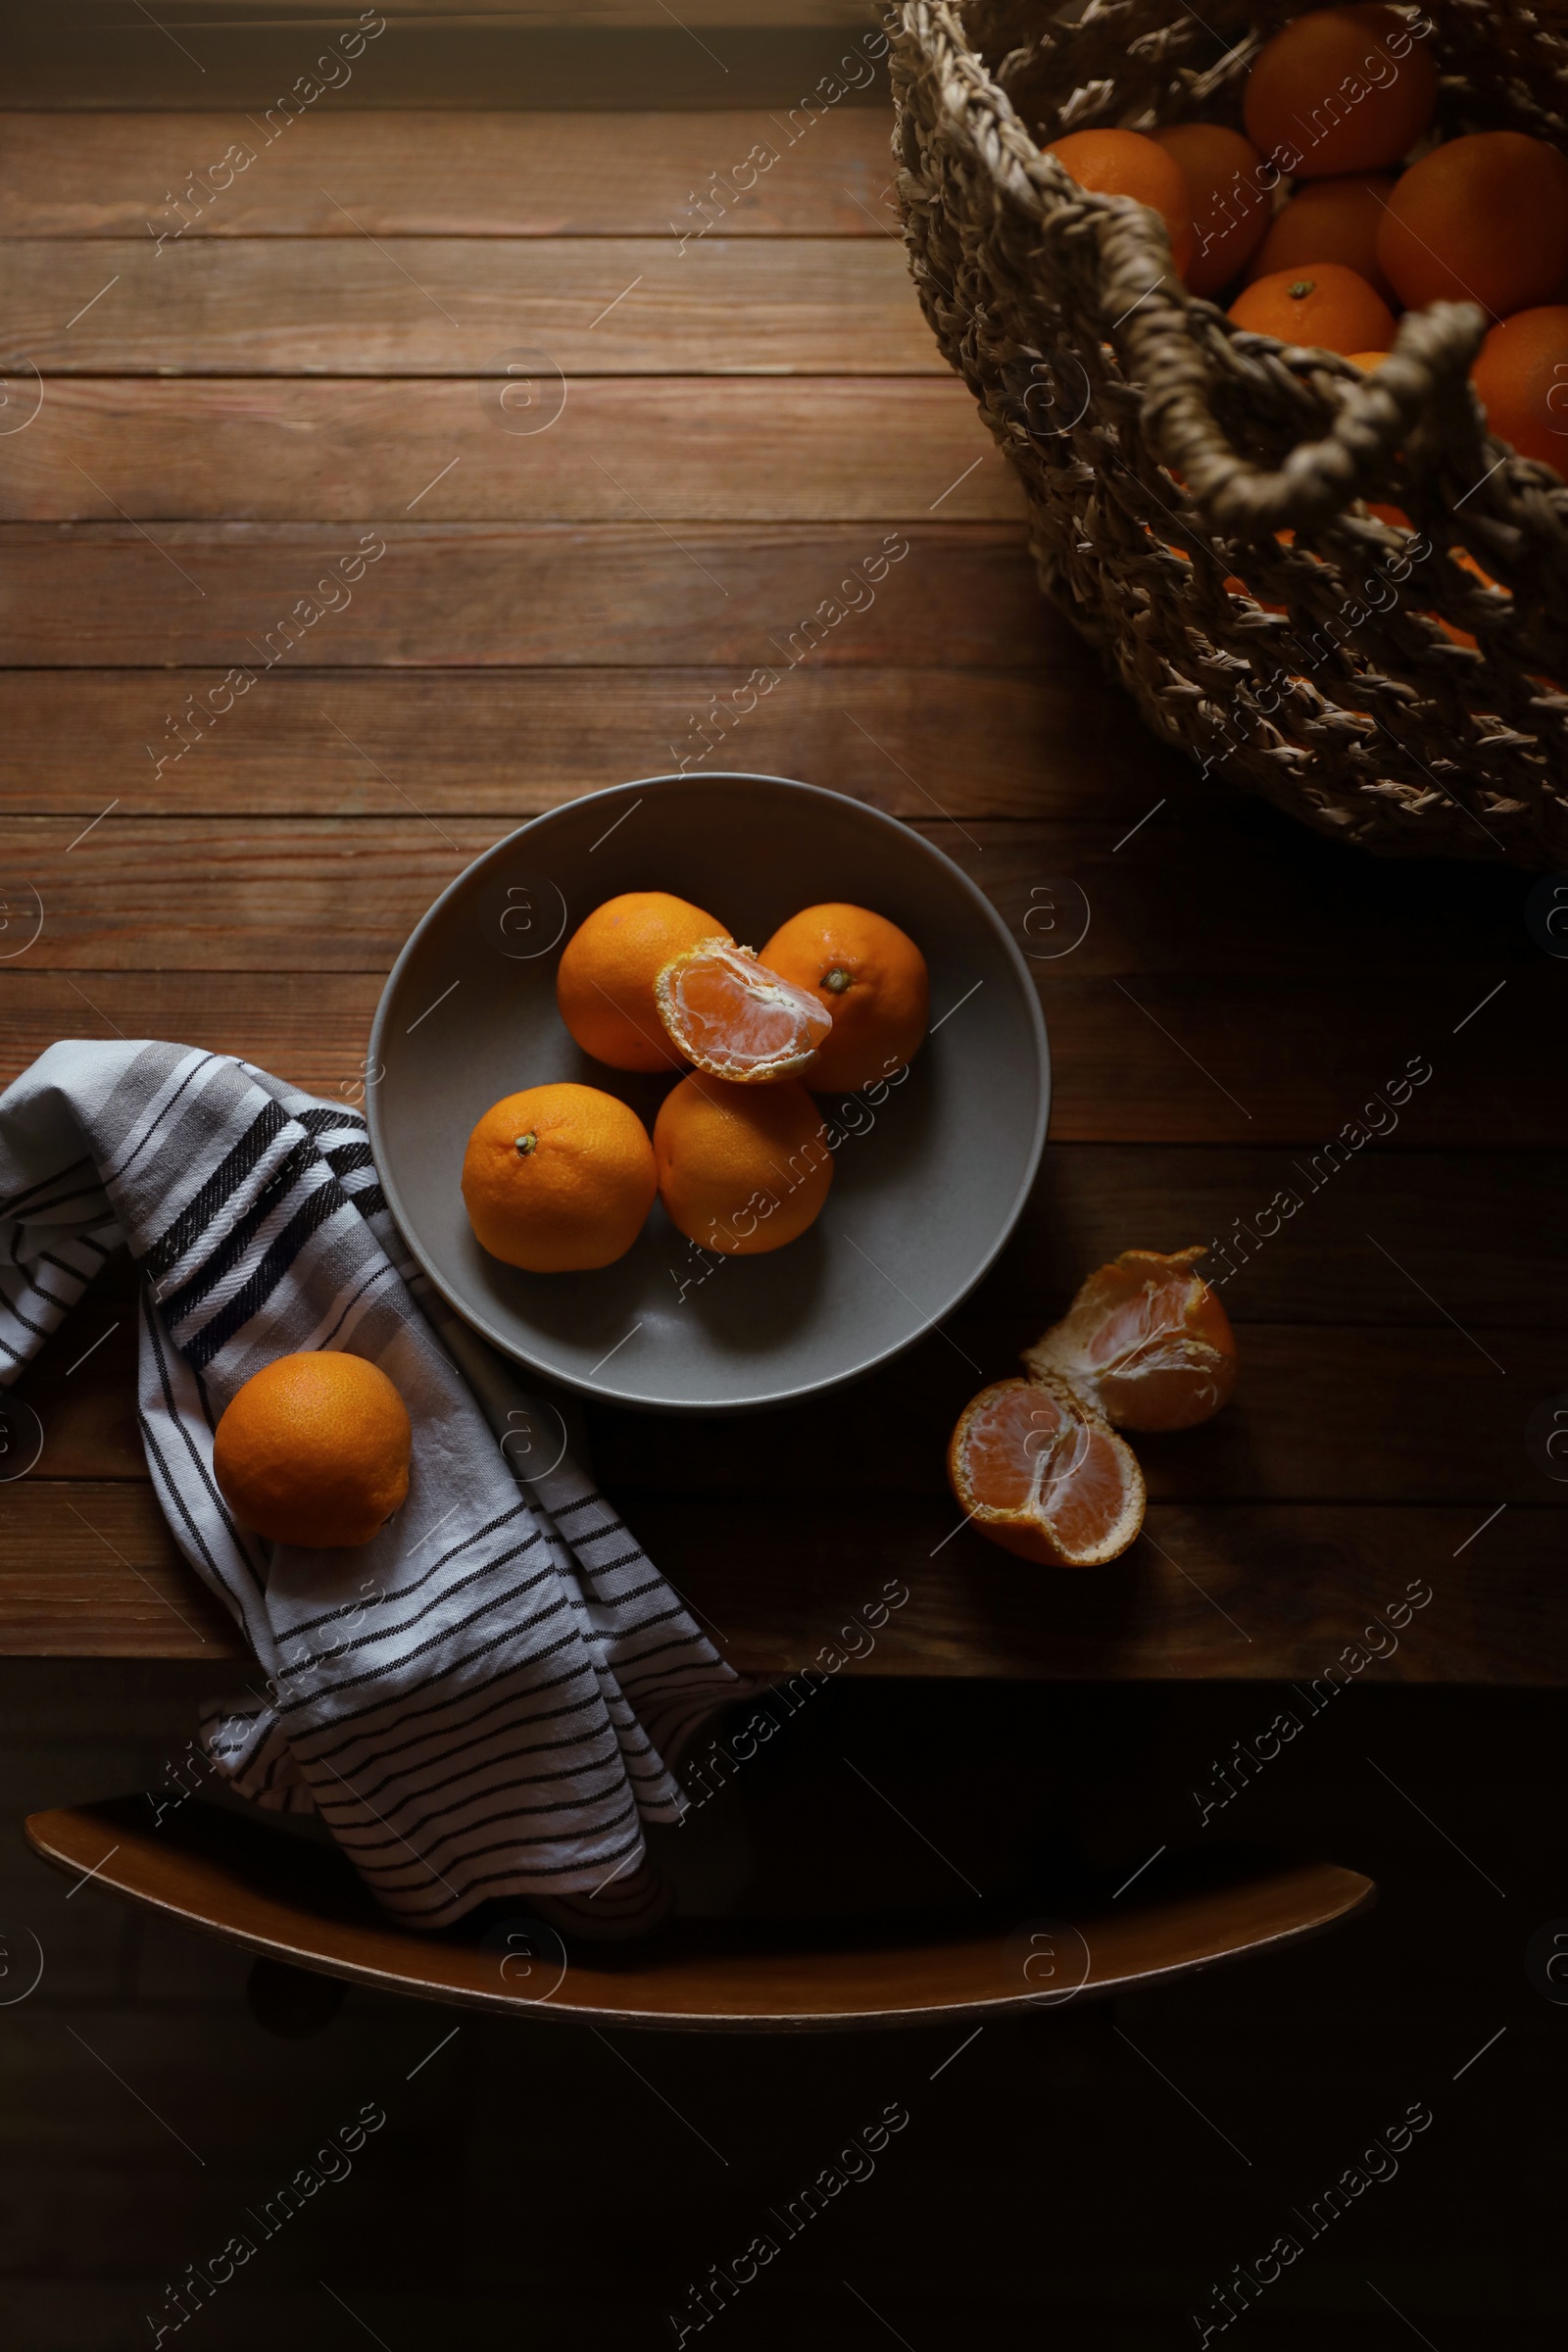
[794, 1395]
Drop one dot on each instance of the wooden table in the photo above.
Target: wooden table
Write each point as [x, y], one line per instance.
[322, 355]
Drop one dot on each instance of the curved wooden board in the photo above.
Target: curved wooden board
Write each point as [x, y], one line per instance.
[286, 1898]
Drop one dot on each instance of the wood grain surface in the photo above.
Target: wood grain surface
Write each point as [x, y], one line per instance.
[674, 449]
[363, 305]
[462, 596]
[411, 174]
[1255, 1591]
[297, 623]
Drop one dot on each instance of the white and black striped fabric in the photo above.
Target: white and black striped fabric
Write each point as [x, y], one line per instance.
[479, 1703]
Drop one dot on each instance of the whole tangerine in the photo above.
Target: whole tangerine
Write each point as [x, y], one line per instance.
[1342, 89]
[1225, 195]
[1327, 307]
[559, 1179]
[1330, 220]
[1521, 380]
[314, 1451]
[1482, 218]
[605, 982]
[742, 1169]
[870, 976]
[1124, 163]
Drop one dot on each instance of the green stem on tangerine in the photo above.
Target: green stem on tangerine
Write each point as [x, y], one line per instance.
[526, 1144]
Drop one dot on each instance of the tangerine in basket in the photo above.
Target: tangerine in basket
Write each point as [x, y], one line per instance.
[1146, 1342]
[313, 1449]
[1521, 380]
[1367, 361]
[870, 976]
[559, 1179]
[735, 1018]
[1482, 218]
[605, 979]
[1330, 220]
[1343, 89]
[1124, 163]
[1450, 629]
[1225, 196]
[742, 1169]
[1327, 306]
[1041, 1473]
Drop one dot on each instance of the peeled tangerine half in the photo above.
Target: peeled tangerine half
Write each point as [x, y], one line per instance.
[735, 1019]
[1145, 1341]
[1040, 1473]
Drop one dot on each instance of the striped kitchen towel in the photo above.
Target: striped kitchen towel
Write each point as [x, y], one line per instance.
[481, 1702]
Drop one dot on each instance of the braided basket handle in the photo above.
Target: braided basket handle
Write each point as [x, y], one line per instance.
[1420, 393]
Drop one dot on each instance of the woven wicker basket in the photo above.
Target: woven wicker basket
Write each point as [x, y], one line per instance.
[1162, 449]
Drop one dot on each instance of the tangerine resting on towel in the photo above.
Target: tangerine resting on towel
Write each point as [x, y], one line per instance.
[315, 1450]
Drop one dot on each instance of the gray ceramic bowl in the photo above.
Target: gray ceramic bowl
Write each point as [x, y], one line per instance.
[924, 1192]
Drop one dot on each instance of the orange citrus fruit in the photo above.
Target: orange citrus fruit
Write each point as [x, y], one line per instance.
[608, 967]
[735, 1018]
[1124, 163]
[559, 1178]
[1467, 562]
[1230, 211]
[1330, 220]
[313, 1449]
[1367, 361]
[1145, 1341]
[870, 976]
[742, 1169]
[1042, 1474]
[1482, 218]
[1327, 306]
[1343, 89]
[1521, 380]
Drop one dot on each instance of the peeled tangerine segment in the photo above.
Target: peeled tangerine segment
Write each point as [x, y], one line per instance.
[735, 1019]
[1044, 1476]
[1145, 1341]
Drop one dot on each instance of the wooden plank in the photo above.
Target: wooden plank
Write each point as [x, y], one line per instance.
[1204, 1060]
[550, 594]
[1157, 1062]
[1418, 1412]
[115, 1570]
[423, 173]
[243, 892]
[1246, 1593]
[82, 54]
[461, 307]
[669, 448]
[1046, 742]
[1237, 1594]
[1422, 1414]
[593, 14]
[1318, 1298]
